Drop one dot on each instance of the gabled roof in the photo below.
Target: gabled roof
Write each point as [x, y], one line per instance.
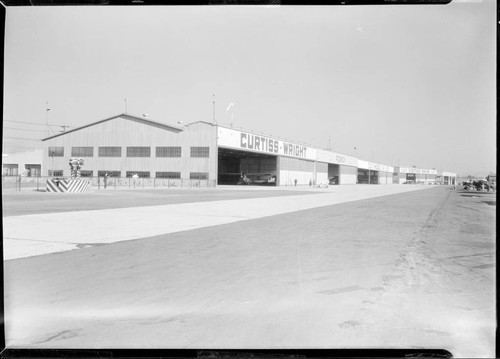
[126, 116]
[204, 122]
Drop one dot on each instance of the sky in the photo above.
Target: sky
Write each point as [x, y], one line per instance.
[404, 85]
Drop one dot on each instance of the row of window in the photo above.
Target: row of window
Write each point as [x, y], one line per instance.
[136, 151]
[140, 174]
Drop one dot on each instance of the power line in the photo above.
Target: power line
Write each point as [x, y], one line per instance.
[6, 145]
[18, 148]
[31, 123]
[27, 139]
[22, 129]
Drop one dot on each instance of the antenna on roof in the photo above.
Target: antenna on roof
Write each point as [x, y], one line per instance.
[63, 128]
[126, 99]
[213, 102]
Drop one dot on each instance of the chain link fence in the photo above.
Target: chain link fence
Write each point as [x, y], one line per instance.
[19, 183]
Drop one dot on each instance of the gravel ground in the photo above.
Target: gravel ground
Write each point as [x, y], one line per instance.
[415, 269]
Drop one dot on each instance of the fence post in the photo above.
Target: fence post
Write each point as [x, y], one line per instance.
[19, 183]
[154, 182]
[37, 181]
[142, 181]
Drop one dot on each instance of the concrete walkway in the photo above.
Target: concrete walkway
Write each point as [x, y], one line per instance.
[37, 234]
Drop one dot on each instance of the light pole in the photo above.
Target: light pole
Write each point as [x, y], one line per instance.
[47, 109]
[230, 107]
[52, 155]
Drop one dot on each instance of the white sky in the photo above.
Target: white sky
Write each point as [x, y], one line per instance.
[413, 85]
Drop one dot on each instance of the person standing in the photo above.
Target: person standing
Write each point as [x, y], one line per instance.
[295, 182]
[106, 180]
[135, 177]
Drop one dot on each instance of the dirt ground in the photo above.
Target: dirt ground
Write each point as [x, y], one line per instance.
[409, 270]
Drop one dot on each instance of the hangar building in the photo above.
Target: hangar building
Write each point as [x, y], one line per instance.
[125, 145]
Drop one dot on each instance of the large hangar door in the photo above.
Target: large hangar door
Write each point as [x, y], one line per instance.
[333, 173]
[302, 171]
[259, 168]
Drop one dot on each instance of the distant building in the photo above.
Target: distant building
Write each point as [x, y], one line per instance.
[24, 164]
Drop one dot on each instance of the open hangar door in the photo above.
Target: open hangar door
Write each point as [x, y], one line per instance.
[333, 173]
[259, 169]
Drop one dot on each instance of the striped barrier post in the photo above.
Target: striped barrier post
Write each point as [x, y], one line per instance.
[68, 186]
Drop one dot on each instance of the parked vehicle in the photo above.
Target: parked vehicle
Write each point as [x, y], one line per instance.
[478, 185]
[333, 180]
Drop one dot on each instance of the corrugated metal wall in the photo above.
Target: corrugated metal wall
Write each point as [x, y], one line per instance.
[125, 133]
[383, 177]
[348, 174]
[292, 169]
[321, 172]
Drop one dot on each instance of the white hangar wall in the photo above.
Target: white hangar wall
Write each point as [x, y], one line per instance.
[126, 131]
[348, 174]
[157, 149]
[294, 161]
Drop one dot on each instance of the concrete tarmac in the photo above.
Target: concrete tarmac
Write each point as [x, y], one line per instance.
[409, 270]
[35, 234]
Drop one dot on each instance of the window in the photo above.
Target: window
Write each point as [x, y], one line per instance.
[56, 173]
[168, 151]
[200, 151]
[86, 173]
[141, 174]
[138, 151]
[171, 175]
[10, 169]
[33, 170]
[110, 173]
[110, 151]
[198, 175]
[56, 151]
[82, 151]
